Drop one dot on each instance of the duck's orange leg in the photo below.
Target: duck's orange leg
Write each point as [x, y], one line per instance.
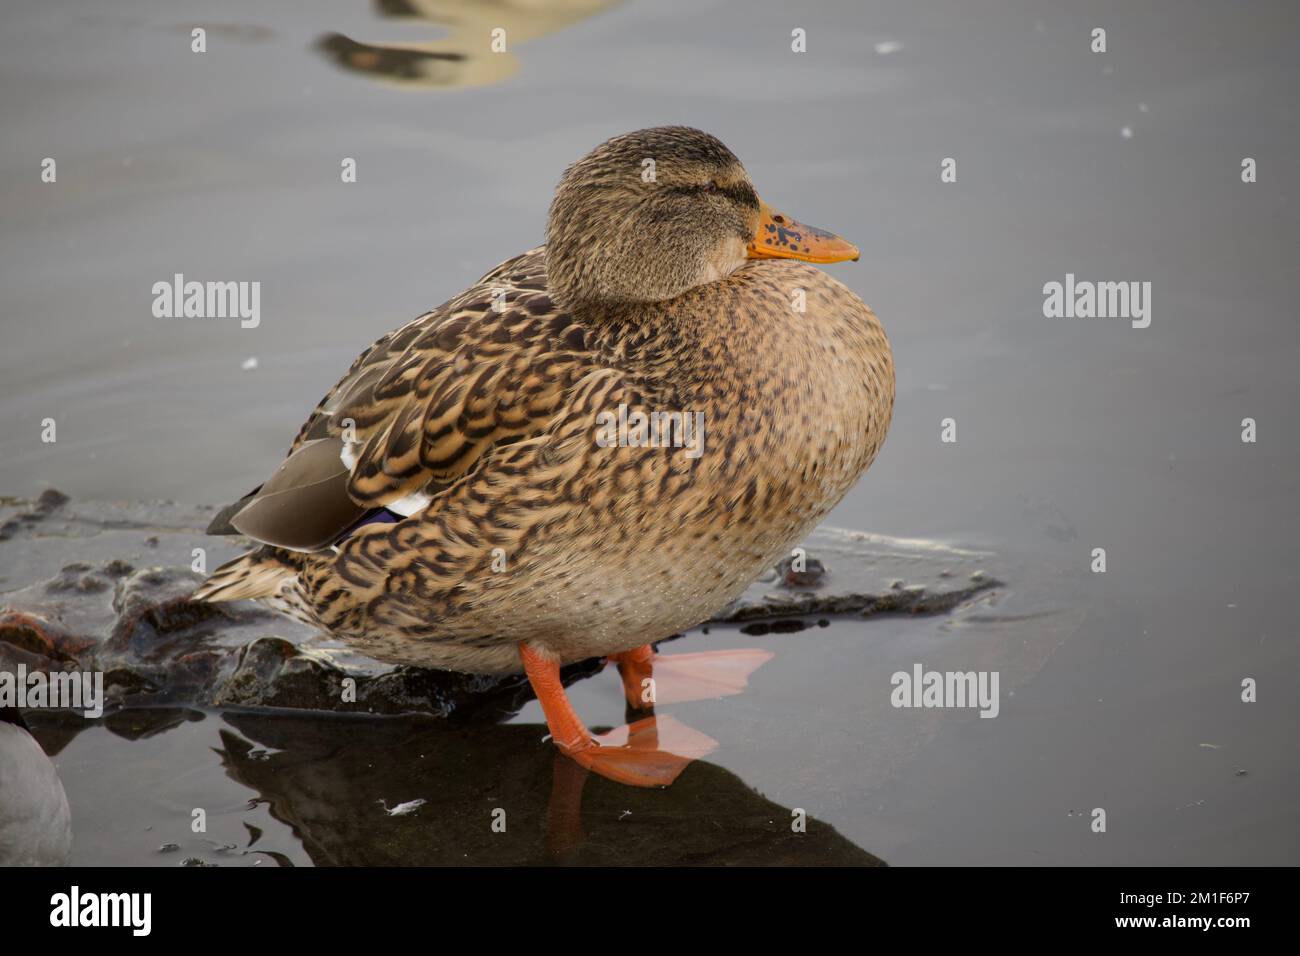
[650, 678]
[637, 672]
[564, 810]
[649, 753]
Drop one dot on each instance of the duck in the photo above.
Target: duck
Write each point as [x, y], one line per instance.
[597, 446]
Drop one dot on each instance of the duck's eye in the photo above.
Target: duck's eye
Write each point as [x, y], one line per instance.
[710, 187]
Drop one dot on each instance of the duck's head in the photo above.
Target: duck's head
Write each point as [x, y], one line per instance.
[648, 215]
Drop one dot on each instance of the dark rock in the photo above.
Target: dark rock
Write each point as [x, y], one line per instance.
[810, 573]
[51, 500]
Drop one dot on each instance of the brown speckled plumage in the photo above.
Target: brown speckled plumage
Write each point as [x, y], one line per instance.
[493, 413]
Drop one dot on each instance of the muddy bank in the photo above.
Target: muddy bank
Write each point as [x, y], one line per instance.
[103, 586]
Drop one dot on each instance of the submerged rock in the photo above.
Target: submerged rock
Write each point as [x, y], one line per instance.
[104, 587]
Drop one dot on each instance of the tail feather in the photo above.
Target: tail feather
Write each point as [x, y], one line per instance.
[258, 574]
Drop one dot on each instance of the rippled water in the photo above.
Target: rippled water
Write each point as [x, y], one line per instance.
[1120, 690]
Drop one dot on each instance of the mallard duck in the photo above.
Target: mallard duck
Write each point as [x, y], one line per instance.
[510, 482]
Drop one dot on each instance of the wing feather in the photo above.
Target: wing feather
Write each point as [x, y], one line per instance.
[420, 408]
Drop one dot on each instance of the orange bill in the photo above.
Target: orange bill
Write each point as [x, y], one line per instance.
[780, 237]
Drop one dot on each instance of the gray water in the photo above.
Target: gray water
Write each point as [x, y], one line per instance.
[1121, 690]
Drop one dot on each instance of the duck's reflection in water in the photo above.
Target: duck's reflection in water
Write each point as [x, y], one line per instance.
[351, 789]
[478, 51]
